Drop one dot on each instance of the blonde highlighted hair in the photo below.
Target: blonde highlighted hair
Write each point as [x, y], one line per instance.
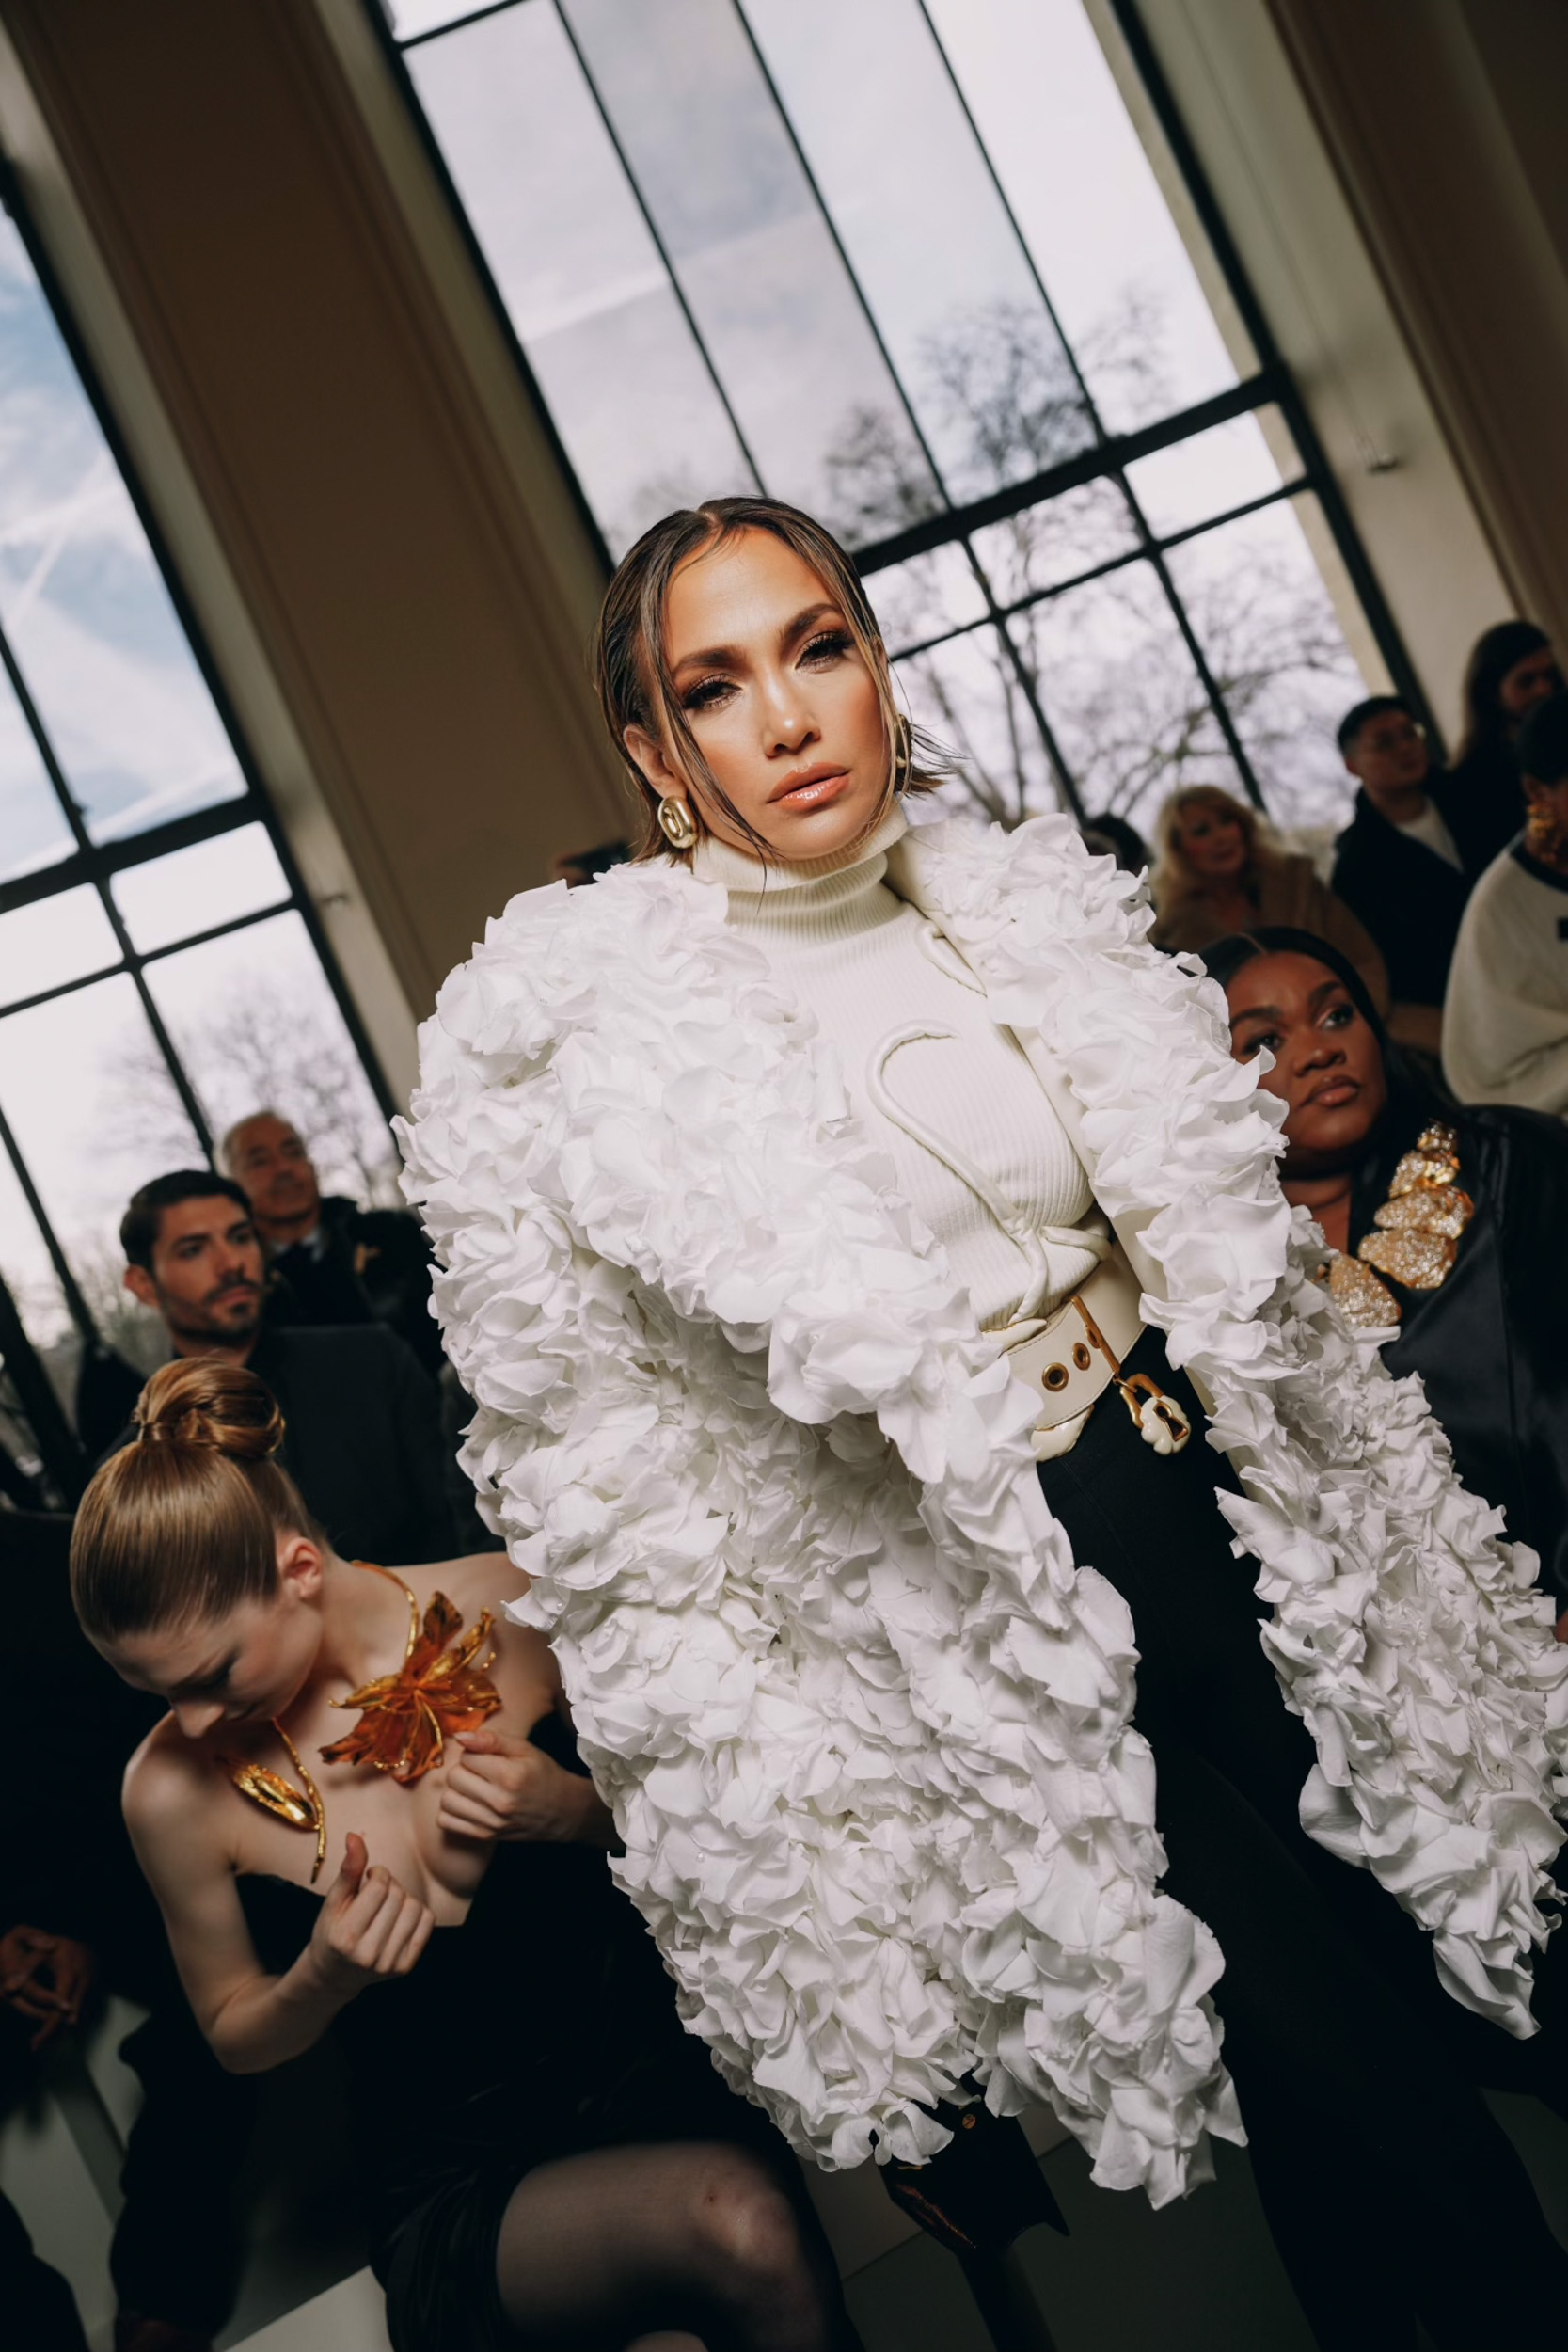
[184, 1523]
[1173, 880]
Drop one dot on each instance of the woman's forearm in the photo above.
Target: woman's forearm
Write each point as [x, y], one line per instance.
[273, 2019]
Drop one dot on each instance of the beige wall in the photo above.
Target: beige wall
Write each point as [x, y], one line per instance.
[371, 517]
[418, 585]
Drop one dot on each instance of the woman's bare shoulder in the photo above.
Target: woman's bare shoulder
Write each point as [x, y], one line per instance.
[167, 1788]
[481, 1579]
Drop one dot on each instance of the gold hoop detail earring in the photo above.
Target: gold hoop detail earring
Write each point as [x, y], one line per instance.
[675, 823]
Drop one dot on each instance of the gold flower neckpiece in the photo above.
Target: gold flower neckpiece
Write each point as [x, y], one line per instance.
[405, 1719]
[1416, 1238]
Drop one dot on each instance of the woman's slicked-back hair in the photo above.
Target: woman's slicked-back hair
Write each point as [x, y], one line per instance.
[182, 1524]
[632, 668]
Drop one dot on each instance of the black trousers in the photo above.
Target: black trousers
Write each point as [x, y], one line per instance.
[36, 2306]
[1391, 2191]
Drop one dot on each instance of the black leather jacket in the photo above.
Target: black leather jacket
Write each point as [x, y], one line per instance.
[1492, 1342]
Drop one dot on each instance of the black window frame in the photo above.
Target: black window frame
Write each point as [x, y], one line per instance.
[1271, 385]
[97, 863]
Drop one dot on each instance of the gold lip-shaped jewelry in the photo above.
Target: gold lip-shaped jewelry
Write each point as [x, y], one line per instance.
[301, 1808]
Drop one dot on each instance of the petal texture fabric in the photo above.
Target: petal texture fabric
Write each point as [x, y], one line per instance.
[1413, 1643]
[864, 1728]
[865, 1724]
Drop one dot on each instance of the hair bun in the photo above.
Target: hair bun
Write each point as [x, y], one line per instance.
[201, 1401]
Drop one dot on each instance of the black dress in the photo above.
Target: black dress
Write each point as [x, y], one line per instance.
[543, 2027]
[1490, 1343]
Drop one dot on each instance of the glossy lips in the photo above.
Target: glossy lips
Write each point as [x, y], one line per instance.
[813, 787]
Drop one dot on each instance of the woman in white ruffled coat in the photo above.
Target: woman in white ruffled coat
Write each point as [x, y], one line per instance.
[811, 1198]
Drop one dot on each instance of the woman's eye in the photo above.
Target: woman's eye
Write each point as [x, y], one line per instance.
[1339, 1016]
[827, 645]
[706, 694]
[1271, 1037]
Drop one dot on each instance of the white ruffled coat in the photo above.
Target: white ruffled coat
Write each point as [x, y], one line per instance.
[865, 1726]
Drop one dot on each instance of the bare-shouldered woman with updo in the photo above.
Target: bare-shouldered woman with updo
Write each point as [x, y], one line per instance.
[367, 1784]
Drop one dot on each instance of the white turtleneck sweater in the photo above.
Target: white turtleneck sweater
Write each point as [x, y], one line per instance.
[872, 970]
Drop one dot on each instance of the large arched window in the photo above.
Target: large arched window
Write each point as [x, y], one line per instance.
[161, 969]
[910, 265]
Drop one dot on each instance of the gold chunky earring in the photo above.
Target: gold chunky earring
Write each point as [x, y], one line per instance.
[675, 823]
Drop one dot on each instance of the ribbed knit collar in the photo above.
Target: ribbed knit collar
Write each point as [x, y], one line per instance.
[825, 898]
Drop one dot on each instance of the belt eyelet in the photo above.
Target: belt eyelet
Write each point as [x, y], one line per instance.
[1081, 1356]
[1055, 1377]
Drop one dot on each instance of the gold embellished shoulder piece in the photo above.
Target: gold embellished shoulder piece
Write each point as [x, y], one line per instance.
[1416, 1236]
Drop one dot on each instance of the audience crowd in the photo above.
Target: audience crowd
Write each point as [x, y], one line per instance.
[1412, 997]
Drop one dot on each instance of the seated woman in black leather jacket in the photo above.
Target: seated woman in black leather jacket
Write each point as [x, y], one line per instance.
[1445, 1225]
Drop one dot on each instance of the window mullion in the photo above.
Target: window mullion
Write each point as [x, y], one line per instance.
[63, 792]
[1097, 464]
[461, 23]
[182, 1086]
[1154, 554]
[77, 1305]
[1150, 543]
[666, 258]
[1216, 231]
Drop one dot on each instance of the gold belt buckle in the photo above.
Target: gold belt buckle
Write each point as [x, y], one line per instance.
[1158, 1419]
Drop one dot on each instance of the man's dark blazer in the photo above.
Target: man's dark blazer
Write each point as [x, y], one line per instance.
[1409, 899]
[363, 1439]
[1483, 803]
[372, 1266]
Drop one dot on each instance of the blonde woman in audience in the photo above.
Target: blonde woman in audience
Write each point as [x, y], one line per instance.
[850, 1233]
[1216, 872]
[1505, 1020]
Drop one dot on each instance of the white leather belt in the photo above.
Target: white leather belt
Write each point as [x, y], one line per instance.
[1075, 1357]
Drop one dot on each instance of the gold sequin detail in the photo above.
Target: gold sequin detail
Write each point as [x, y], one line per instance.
[1416, 1239]
[1366, 1304]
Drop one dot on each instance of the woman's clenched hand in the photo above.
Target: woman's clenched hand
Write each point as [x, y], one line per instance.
[497, 1785]
[368, 1926]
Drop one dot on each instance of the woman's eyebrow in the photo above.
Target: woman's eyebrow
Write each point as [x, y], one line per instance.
[733, 656]
[1255, 1012]
[707, 658]
[802, 621]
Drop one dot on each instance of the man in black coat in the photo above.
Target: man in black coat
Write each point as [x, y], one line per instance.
[1401, 865]
[363, 1438]
[337, 1261]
